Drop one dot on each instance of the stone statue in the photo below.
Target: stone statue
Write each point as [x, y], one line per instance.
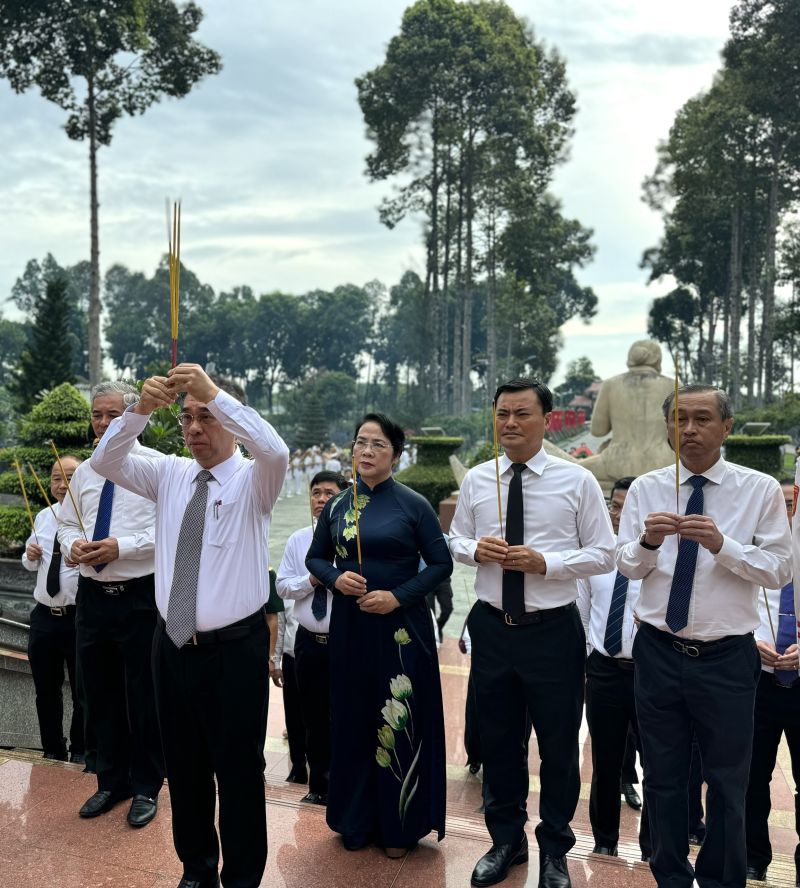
[629, 406]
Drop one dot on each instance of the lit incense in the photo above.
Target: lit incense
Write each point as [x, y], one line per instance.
[69, 489]
[355, 507]
[497, 468]
[25, 497]
[174, 265]
[42, 490]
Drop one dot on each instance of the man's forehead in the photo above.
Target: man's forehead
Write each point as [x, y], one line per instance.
[109, 401]
[192, 403]
[517, 400]
[698, 402]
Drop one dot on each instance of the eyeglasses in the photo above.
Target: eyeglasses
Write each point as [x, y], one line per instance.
[186, 419]
[363, 444]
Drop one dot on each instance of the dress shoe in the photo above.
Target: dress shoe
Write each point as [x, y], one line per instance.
[632, 799]
[143, 810]
[193, 883]
[605, 850]
[297, 775]
[754, 874]
[696, 838]
[315, 798]
[645, 858]
[77, 758]
[395, 853]
[354, 843]
[474, 767]
[55, 756]
[493, 867]
[100, 802]
[553, 872]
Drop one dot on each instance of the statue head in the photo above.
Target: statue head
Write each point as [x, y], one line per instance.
[645, 353]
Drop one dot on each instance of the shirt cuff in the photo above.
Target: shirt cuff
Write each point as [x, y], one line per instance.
[222, 404]
[126, 546]
[554, 566]
[731, 554]
[648, 557]
[135, 421]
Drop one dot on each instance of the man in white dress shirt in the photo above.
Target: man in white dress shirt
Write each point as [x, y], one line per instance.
[114, 622]
[607, 603]
[211, 646]
[696, 659]
[528, 644]
[51, 641]
[777, 714]
[312, 611]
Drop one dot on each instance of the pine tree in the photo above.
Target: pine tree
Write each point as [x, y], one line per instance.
[313, 428]
[47, 361]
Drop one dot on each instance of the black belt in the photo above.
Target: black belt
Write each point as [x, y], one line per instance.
[529, 618]
[623, 663]
[237, 630]
[118, 588]
[778, 684]
[62, 611]
[690, 646]
[319, 637]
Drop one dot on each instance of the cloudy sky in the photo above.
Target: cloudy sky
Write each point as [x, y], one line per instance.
[269, 155]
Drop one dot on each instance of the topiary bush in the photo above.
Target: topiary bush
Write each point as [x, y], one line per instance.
[431, 475]
[761, 452]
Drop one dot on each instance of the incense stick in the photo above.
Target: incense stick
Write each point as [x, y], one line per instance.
[69, 490]
[355, 507]
[42, 490]
[677, 446]
[174, 265]
[769, 617]
[25, 497]
[497, 468]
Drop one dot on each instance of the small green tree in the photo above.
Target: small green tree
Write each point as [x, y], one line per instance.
[313, 428]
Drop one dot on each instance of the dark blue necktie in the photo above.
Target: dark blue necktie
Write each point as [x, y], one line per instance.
[319, 603]
[612, 641]
[787, 633]
[683, 578]
[102, 523]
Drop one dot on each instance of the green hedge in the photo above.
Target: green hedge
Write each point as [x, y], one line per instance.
[760, 452]
[431, 475]
[14, 529]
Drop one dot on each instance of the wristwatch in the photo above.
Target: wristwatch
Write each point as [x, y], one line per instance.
[644, 544]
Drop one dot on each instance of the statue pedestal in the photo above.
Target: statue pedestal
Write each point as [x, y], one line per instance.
[447, 508]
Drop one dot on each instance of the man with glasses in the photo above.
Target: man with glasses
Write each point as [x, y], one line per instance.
[211, 646]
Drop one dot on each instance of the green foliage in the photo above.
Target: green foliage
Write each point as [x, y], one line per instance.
[13, 339]
[433, 482]
[435, 450]
[578, 377]
[163, 432]
[62, 415]
[761, 452]
[313, 427]
[783, 416]
[14, 530]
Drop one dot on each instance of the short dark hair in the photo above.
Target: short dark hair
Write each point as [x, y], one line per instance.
[336, 478]
[523, 383]
[395, 434]
[698, 388]
[623, 483]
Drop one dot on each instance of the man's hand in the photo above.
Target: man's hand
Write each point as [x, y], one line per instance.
[767, 653]
[491, 549]
[276, 674]
[350, 583]
[787, 660]
[97, 551]
[659, 525]
[194, 381]
[378, 602]
[33, 552]
[702, 530]
[314, 581]
[155, 393]
[525, 559]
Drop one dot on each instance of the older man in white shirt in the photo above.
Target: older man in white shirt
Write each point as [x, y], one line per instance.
[211, 647]
[528, 644]
[701, 565]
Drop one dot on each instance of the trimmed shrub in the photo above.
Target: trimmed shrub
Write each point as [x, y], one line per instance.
[431, 475]
[761, 452]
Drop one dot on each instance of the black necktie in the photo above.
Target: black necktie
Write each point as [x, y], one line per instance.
[683, 579]
[514, 580]
[54, 571]
[319, 603]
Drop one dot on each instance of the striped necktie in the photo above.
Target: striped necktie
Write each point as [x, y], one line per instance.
[612, 640]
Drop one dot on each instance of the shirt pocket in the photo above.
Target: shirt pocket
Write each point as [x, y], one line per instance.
[223, 526]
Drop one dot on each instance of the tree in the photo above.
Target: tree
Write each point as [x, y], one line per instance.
[47, 361]
[13, 338]
[578, 377]
[126, 54]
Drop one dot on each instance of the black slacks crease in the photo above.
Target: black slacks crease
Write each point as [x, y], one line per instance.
[314, 681]
[293, 716]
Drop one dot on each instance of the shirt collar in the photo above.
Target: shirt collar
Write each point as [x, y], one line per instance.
[536, 463]
[715, 474]
[225, 470]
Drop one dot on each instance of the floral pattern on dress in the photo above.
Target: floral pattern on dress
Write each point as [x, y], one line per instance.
[349, 519]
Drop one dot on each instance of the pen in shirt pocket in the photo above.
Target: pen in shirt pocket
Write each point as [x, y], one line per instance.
[217, 504]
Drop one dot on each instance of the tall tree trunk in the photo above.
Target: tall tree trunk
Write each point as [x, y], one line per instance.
[459, 300]
[95, 307]
[768, 292]
[735, 304]
[466, 330]
[752, 297]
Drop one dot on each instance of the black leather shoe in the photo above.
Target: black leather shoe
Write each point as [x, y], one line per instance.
[77, 758]
[493, 867]
[297, 775]
[756, 875]
[100, 802]
[696, 838]
[553, 872]
[193, 883]
[632, 799]
[474, 767]
[605, 850]
[645, 858]
[143, 810]
[315, 798]
[55, 756]
[354, 843]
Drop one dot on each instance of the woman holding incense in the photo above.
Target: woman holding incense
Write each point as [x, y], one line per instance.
[51, 642]
[387, 777]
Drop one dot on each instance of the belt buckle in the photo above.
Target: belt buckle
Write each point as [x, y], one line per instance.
[509, 619]
[321, 639]
[193, 639]
[113, 588]
[57, 611]
[689, 649]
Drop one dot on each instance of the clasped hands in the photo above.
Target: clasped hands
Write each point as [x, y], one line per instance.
[770, 657]
[94, 552]
[508, 557]
[162, 391]
[377, 602]
[700, 528]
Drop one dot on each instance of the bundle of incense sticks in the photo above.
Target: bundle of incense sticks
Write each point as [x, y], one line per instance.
[497, 467]
[41, 489]
[174, 263]
[25, 497]
[677, 445]
[69, 489]
[355, 507]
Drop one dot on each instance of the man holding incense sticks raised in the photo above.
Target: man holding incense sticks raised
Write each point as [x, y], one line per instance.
[211, 646]
[534, 525]
[697, 664]
[110, 533]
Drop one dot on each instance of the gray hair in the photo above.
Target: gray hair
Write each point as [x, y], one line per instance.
[130, 394]
[723, 400]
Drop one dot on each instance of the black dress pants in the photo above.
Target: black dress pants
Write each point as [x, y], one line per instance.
[313, 663]
[114, 637]
[777, 712]
[632, 744]
[293, 715]
[711, 694]
[537, 668]
[610, 710]
[51, 647]
[212, 708]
